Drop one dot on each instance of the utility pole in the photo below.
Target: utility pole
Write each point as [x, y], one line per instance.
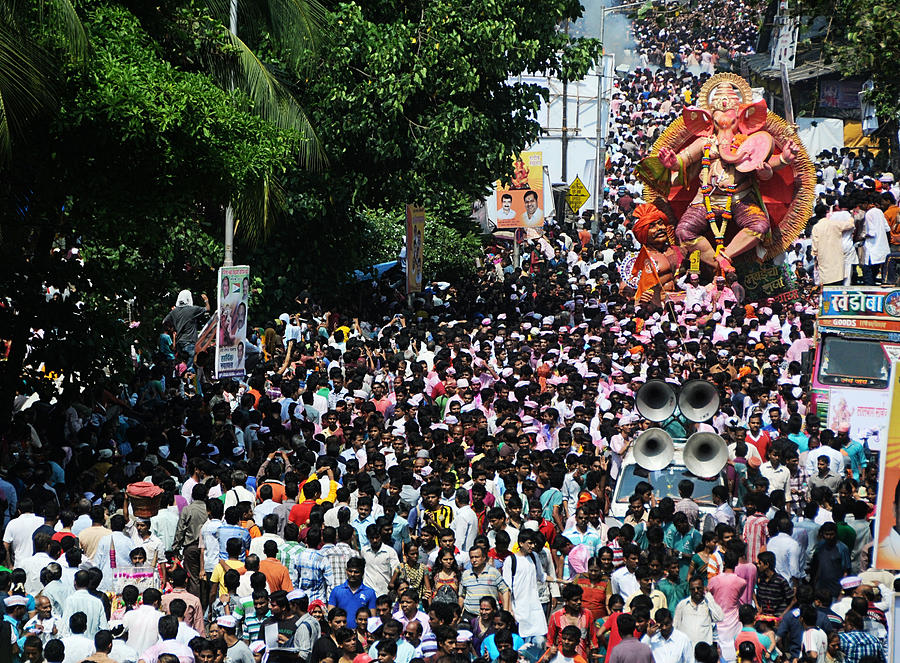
[604, 94]
[565, 123]
[229, 210]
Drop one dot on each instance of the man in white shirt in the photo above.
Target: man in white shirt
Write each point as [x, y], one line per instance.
[381, 562]
[142, 623]
[17, 537]
[84, 602]
[696, 615]
[35, 564]
[834, 456]
[876, 243]
[778, 475]
[668, 644]
[788, 555]
[465, 522]
[694, 293]
[623, 581]
[78, 645]
[506, 212]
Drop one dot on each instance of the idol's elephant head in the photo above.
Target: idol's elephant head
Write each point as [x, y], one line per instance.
[727, 119]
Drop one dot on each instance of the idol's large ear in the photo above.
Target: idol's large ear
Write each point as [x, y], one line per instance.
[697, 120]
[752, 117]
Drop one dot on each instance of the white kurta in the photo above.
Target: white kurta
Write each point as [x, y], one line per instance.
[526, 604]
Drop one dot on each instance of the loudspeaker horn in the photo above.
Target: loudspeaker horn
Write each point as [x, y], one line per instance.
[705, 454]
[656, 400]
[698, 400]
[654, 449]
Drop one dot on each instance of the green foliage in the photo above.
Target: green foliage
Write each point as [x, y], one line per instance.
[863, 40]
[447, 252]
[413, 101]
[134, 166]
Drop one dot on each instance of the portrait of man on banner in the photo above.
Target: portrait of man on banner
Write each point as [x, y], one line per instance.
[519, 204]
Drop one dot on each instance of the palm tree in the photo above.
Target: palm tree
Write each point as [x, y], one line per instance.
[297, 28]
[28, 68]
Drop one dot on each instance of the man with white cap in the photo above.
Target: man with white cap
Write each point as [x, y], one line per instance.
[238, 651]
[15, 611]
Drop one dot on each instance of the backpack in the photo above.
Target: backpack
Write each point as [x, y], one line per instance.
[445, 594]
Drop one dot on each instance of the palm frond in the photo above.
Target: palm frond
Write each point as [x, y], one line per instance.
[273, 101]
[299, 26]
[255, 206]
[26, 86]
[61, 15]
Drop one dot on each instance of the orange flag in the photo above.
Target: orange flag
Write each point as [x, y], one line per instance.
[646, 268]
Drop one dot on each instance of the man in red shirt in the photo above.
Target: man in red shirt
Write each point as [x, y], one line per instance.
[299, 514]
[758, 437]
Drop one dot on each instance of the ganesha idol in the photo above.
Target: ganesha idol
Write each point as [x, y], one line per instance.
[733, 176]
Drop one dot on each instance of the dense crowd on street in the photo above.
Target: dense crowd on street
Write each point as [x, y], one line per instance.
[456, 482]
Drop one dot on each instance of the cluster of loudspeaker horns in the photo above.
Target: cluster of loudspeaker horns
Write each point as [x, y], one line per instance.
[704, 454]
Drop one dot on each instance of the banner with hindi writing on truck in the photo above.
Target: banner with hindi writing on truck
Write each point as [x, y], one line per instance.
[232, 310]
[862, 309]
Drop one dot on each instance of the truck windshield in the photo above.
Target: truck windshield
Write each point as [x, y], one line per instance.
[665, 483]
[854, 363]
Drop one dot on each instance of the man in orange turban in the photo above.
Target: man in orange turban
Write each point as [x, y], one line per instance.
[652, 229]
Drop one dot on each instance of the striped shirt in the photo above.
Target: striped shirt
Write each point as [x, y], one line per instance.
[252, 624]
[475, 587]
[798, 482]
[773, 595]
[440, 518]
[590, 538]
[756, 531]
[289, 555]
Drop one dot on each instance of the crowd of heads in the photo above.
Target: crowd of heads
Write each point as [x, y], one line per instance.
[510, 397]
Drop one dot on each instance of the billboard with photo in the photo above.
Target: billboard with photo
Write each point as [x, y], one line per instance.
[232, 312]
[519, 204]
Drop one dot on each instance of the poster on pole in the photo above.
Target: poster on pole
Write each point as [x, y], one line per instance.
[232, 310]
[415, 242]
[519, 204]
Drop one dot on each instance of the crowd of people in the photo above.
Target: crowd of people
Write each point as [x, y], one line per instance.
[457, 483]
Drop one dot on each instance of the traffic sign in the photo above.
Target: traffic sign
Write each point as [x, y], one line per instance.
[577, 195]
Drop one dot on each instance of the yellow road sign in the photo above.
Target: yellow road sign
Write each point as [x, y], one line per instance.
[577, 195]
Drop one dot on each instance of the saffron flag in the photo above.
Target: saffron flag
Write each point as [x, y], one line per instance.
[645, 268]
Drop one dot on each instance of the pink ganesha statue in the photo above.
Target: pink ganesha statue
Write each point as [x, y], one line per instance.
[734, 177]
